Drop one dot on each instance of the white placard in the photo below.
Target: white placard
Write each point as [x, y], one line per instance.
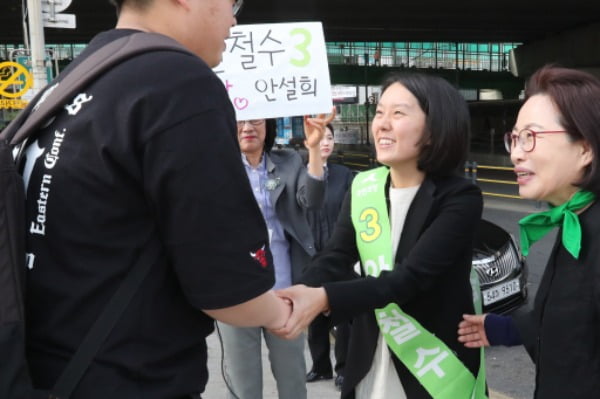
[275, 70]
[59, 21]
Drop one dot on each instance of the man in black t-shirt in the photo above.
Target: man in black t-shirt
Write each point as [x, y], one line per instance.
[145, 156]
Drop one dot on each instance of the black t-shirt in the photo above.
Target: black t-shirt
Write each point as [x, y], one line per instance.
[146, 154]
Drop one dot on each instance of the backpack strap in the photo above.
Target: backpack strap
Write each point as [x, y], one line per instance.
[96, 336]
[115, 52]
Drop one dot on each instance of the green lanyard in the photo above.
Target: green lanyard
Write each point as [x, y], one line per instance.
[428, 358]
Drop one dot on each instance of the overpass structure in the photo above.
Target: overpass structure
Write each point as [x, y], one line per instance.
[565, 32]
[546, 31]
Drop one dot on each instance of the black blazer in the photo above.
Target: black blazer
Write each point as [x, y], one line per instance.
[322, 221]
[562, 331]
[430, 280]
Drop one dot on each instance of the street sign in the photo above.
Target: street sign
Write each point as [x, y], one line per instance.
[15, 80]
[59, 5]
[59, 21]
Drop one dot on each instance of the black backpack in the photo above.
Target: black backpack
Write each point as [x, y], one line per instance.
[15, 382]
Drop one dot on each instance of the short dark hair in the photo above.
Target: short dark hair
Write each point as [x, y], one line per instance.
[576, 95]
[445, 143]
[270, 133]
[330, 127]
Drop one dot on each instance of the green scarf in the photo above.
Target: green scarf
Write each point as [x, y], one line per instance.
[535, 226]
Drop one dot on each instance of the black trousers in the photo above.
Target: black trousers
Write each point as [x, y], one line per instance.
[318, 343]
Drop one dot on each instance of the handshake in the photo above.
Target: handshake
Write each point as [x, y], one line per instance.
[301, 304]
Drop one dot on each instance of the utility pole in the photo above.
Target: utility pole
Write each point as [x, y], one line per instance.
[37, 42]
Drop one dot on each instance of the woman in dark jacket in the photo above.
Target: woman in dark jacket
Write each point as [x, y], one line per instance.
[337, 181]
[411, 223]
[554, 147]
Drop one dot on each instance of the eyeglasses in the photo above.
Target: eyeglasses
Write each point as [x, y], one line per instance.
[237, 6]
[525, 138]
[253, 122]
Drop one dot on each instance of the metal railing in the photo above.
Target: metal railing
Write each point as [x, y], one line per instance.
[360, 160]
[471, 171]
[446, 55]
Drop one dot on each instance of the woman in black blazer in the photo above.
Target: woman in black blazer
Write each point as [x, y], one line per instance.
[421, 135]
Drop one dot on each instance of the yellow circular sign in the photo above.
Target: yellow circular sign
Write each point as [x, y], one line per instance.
[13, 73]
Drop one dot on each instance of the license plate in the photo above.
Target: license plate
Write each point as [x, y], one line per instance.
[501, 291]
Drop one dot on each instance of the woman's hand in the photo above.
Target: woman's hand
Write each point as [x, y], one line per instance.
[471, 331]
[314, 129]
[307, 303]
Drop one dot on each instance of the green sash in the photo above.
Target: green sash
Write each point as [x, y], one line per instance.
[440, 372]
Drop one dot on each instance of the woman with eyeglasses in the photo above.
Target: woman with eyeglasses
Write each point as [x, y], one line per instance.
[554, 146]
[284, 188]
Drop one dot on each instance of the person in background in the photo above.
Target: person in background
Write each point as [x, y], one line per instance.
[338, 179]
[411, 223]
[554, 146]
[377, 58]
[161, 175]
[284, 189]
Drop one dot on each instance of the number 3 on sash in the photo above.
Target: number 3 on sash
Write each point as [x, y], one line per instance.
[373, 230]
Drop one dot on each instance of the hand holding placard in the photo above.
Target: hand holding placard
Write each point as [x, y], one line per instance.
[314, 128]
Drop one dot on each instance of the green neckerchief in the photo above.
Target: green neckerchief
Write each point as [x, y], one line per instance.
[537, 225]
[428, 358]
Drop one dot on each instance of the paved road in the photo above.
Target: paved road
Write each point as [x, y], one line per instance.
[496, 363]
[510, 372]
